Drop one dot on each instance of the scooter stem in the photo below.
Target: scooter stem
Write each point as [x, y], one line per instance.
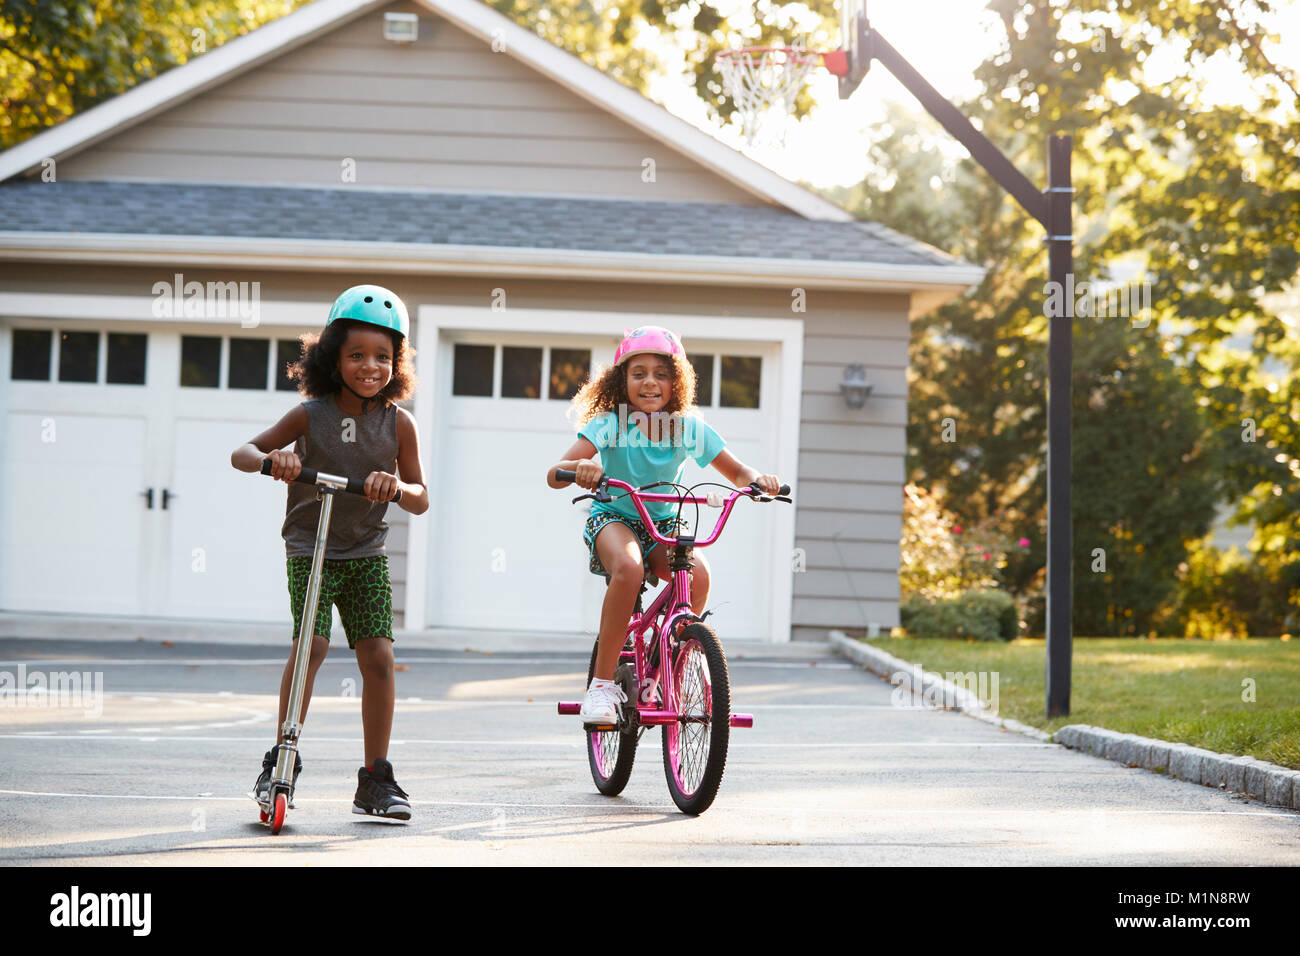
[292, 726]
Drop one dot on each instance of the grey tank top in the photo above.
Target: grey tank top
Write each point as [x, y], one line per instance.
[351, 446]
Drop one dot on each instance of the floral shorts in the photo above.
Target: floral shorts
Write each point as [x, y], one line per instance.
[598, 520]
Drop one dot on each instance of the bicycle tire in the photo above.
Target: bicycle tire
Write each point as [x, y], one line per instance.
[610, 752]
[695, 752]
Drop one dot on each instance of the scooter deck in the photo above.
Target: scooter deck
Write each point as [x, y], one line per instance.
[267, 806]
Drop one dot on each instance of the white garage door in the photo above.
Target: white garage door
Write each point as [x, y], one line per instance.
[118, 494]
[508, 551]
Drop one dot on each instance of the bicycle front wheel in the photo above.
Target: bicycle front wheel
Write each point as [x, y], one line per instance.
[695, 746]
[611, 752]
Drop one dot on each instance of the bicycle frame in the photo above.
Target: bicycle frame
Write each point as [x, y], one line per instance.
[673, 604]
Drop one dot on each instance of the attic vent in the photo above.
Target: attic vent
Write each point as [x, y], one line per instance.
[401, 27]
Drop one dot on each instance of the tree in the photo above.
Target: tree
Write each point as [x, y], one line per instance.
[1207, 197]
[58, 59]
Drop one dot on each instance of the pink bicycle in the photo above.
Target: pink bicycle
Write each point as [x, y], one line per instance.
[677, 678]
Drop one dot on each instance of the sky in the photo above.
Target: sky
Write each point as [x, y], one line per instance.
[830, 146]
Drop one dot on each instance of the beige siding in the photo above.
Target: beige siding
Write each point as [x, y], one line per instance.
[851, 466]
[848, 490]
[443, 113]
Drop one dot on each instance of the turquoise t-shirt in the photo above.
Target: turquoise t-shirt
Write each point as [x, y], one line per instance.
[626, 453]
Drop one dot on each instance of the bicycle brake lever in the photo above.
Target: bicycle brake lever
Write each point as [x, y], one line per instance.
[581, 497]
[782, 498]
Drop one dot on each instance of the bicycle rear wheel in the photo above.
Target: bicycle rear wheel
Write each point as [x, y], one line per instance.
[695, 747]
[610, 752]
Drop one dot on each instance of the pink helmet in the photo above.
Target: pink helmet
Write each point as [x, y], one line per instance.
[652, 339]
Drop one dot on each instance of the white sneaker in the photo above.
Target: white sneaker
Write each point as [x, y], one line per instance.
[600, 705]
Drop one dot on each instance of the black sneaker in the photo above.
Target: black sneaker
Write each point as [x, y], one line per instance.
[263, 786]
[379, 795]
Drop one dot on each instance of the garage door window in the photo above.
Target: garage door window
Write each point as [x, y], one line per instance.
[738, 376]
[127, 352]
[287, 352]
[30, 361]
[740, 381]
[570, 369]
[703, 365]
[78, 356]
[248, 363]
[200, 361]
[36, 352]
[472, 371]
[522, 371]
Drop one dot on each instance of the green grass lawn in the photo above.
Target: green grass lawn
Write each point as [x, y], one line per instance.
[1186, 691]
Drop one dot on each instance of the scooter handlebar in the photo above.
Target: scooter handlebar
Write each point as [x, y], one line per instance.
[309, 476]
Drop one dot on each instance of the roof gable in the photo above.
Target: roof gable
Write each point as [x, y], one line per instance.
[556, 144]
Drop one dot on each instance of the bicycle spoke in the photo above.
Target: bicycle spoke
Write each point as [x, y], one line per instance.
[692, 732]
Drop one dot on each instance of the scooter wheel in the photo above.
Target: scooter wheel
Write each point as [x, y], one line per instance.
[281, 806]
[263, 816]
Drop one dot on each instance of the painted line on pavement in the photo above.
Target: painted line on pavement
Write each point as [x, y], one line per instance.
[746, 808]
[151, 737]
[280, 661]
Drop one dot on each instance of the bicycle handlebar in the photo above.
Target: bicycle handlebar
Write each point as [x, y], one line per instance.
[562, 474]
[310, 476]
[639, 497]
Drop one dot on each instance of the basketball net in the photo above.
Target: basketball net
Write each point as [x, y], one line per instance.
[763, 82]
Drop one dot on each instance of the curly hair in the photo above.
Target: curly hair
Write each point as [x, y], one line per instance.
[608, 390]
[316, 371]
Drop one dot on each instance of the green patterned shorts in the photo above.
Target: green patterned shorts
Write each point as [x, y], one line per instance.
[665, 526]
[358, 586]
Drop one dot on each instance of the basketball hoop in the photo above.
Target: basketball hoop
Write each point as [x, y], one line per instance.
[763, 83]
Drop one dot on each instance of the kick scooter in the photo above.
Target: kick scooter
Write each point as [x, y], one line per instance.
[280, 795]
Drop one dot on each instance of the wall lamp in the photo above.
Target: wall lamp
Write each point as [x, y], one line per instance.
[855, 388]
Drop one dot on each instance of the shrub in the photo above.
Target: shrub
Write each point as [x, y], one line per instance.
[980, 614]
[941, 558]
[1227, 594]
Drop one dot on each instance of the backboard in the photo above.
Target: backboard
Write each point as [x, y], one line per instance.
[853, 23]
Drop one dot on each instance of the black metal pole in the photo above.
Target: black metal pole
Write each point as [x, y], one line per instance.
[1060, 361]
[1053, 208]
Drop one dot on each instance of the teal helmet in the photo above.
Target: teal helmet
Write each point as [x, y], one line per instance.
[373, 304]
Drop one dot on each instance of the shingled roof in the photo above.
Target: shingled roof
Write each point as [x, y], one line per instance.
[436, 219]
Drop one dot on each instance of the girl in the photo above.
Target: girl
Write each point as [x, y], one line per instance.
[354, 371]
[647, 443]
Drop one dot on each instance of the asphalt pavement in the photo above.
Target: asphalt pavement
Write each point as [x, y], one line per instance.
[156, 771]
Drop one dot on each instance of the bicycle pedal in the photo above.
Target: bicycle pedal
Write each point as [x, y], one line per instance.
[600, 727]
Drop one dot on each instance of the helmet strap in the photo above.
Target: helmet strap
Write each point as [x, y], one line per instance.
[364, 401]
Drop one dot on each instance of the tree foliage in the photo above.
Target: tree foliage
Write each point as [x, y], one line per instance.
[58, 59]
[1204, 198]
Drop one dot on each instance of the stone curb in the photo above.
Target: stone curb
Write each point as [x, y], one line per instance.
[1274, 785]
[933, 688]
